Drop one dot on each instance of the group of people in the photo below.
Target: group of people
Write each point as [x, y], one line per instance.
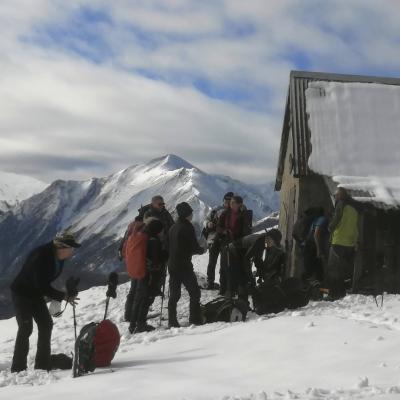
[328, 245]
[170, 246]
[177, 243]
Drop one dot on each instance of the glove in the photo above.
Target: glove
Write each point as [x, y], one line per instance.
[112, 285]
[73, 300]
[71, 285]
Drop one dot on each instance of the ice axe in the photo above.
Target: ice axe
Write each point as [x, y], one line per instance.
[111, 290]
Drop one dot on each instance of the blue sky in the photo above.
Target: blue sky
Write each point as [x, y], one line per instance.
[116, 83]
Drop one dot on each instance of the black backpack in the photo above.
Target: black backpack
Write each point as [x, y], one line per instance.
[225, 309]
[296, 294]
[60, 361]
[268, 299]
[84, 360]
[301, 228]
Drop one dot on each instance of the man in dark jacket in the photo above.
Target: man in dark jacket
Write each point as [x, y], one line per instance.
[147, 288]
[233, 225]
[183, 245]
[214, 239]
[42, 266]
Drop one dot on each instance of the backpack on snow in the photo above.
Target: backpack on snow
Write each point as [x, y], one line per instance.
[225, 309]
[268, 299]
[96, 343]
[135, 250]
[272, 299]
[296, 294]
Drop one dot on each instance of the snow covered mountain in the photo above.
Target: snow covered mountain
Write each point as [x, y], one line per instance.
[15, 188]
[98, 211]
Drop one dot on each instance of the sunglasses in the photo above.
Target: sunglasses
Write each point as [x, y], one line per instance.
[161, 204]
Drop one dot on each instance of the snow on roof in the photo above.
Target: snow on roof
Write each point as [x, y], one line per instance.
[355, 137]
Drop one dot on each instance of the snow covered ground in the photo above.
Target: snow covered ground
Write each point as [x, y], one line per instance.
[342, 350]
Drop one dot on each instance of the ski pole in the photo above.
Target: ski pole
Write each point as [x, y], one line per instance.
[162, 299]
[75, 325]
[106, 310]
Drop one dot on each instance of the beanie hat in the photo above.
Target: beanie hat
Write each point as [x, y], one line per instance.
[275, 235]
[64, 240]
[228, 195]
[184, 210]
[153, 226]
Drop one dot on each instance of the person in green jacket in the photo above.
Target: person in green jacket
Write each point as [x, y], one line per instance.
[344, 236]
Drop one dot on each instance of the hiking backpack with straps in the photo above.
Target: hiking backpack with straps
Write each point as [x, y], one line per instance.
[301, 228]
[97, 342]
[225, 309]
[135, 250]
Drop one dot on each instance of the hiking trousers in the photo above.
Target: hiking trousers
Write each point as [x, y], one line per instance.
[340, 268]
[141, 302]
[189, 280]
[129, 301]
[313, 266]
[28, 309]
[213, 254]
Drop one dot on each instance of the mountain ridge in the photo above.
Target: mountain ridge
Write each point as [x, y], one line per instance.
[98, 211]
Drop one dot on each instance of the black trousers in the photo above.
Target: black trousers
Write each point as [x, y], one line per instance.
[223, 271]
[237, 275]
[155, 285]
[340, 268]
[213, 254]
[28, 309]
[313, 266]
[129, 301]
[142, 301]
[189, 280]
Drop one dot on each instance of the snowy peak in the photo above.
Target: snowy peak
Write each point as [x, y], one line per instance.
[15, 188]
[170, 162]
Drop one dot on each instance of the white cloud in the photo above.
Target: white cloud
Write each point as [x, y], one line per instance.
[64, 116]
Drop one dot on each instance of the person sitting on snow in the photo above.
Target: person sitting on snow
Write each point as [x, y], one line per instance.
[272, 269]
[42, 266]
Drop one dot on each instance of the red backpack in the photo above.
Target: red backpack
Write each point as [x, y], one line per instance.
[135, 250]
[106, 342]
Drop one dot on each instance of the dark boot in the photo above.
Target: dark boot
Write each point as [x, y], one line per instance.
[144, 328]
[210, 286]
[172, 318]
[195, 317]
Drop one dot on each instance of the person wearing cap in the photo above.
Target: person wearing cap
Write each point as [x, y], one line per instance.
[183, 245]
[214, 240]
[28, 290]
[344, 237]
[146, 289]
[272, 269]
